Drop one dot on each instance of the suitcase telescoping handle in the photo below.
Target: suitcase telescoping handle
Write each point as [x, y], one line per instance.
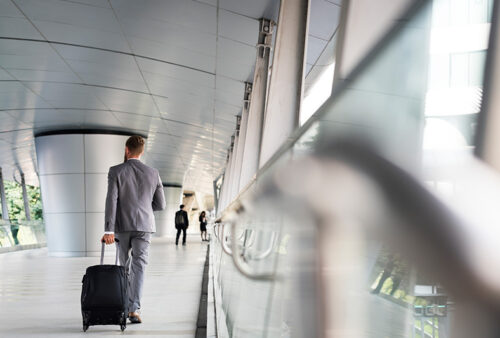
[117, 250]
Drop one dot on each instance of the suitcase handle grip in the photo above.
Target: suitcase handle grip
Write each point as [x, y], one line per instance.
[116, 240]
[103, 246]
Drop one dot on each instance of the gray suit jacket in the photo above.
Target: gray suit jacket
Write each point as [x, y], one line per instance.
[134, 192]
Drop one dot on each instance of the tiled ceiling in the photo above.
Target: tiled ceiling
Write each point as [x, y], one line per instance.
[172, 70]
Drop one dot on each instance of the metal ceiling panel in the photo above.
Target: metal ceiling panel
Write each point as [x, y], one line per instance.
[238, 27]
[99, 80]
[223, 108]
[177, 72]
[4, 76]
[90, 77]
[20, 138]
[70, 13]
[8, 9]
[21, 100]
[132, 121]
[179, 56]
[9, 123]
[229, 99]
[38, 59]
[127, 72]
[66, 95]
[97, 3]
[18, 28]
[190, 14]
[237, 51]
[12, 87]
[92, 56]
[39, 117]
[43, 75]
[170, 34]
[49, 119]
[126, 101]
[177, 89]
[255, 9]
[83, 36]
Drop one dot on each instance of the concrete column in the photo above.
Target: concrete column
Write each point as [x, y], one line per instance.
[25, 198]
[286, 84]
[253, 135]
[165, 219]
[241, 141]
[5, 210]
[73, 180]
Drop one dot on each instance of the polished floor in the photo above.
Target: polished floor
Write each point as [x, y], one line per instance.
[40, 295]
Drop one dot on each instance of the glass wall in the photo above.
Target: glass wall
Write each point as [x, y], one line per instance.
[320, 248]
[18, 230]
[458, 46]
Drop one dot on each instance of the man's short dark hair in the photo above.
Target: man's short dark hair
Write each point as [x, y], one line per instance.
[135, 145]
[182, 206]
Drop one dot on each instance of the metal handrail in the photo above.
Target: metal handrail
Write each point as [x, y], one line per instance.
[266, 253]
[216, 231]
[408, 199]
[241, 267]
[223, 241]
[248, 242]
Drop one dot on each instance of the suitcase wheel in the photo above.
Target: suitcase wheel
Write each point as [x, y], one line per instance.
[123, 327]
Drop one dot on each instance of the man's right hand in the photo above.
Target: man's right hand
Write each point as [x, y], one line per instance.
[108, 238]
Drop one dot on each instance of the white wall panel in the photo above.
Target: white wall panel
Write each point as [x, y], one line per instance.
[103, 151]
[58, 154]
[63, 193]
[95, 192]
[66, 233]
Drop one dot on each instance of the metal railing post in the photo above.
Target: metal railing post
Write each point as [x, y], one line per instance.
[5, 210]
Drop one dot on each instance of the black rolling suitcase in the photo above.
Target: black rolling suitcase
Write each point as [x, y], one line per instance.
[104, 294]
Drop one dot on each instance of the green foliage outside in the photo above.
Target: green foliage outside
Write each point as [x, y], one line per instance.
[15, 204]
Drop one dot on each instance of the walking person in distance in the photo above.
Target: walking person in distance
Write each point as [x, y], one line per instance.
[134, 192]
[181, 224]
[203, 226]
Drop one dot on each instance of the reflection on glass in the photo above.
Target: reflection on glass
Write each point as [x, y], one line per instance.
[416, 101]
[453, 100]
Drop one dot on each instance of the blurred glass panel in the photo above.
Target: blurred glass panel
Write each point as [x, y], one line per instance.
[459, 11]
[459, 76]
[476, 68]
[415, 100]
[384, 104]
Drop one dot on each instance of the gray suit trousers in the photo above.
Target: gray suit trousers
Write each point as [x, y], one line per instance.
[134, 252]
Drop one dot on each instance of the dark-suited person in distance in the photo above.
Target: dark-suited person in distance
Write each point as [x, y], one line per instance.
[134, 192]
[181, 224]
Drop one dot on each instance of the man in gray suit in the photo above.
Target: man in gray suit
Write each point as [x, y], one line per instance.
[134, 192]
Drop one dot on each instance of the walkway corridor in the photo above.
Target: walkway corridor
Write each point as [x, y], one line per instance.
[40, 295]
